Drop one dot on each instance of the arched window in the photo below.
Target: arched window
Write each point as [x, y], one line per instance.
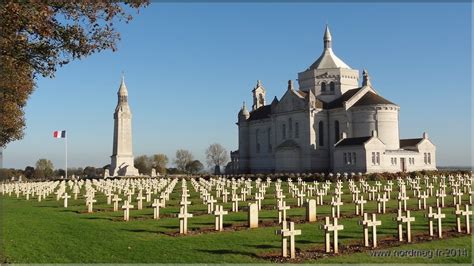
[336, 131]
[332, 86]
[261, 101]
[323, 86]
[321, 133]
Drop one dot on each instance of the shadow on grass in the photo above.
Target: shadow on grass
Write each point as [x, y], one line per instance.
[48, 206]
[307, 242]
[205, 223]
[262, 246]
[228, 251]
[170, 226]
[142, 231]
[70, 211]
[97, 218]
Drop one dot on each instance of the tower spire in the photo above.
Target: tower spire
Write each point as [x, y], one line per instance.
[123, 88]
[327, 38]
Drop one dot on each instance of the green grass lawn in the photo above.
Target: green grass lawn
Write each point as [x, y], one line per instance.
[45, 232]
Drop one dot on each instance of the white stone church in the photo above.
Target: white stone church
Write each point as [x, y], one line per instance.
[331, 123]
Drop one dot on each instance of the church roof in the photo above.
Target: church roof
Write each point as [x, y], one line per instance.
[328, 60]
[302, 93]
[409, 142]
[261, 113]
[371, 98]
[339, 102]
[353, 141]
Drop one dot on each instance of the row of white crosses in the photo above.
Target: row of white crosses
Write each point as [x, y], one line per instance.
[367, 223]
[183, 215]
[157, 203]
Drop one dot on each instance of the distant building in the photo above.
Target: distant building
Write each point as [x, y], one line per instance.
[122, 163]
[331, 123]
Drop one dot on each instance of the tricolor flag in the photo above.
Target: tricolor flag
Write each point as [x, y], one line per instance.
[59, 134]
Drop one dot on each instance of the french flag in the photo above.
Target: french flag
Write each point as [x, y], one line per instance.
[60, 134]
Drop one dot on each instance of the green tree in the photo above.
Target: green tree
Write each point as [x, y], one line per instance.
[90, 172]
[216, 156]
[183, 158]
[143, 163]
[37, 37]
[60, 172]
[7, 174]
[29, 172]
[159, 163]
[44, 168]
[194, 167]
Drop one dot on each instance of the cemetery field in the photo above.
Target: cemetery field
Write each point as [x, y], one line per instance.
[46, 232]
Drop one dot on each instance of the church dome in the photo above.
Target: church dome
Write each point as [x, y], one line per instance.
[328, 59]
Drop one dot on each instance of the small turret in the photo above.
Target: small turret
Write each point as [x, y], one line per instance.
[244, 113]
[366, 79]
[290, 85]
[327, 38]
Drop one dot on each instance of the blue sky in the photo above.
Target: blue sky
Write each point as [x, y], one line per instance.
[188, 67]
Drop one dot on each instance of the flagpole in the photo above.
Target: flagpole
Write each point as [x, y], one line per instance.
[65, 139]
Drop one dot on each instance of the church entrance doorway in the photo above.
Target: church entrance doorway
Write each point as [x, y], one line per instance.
[402, 165]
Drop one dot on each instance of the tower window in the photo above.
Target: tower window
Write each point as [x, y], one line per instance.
[321, 133]
[323, 86]
[336, 131]
[332, 86]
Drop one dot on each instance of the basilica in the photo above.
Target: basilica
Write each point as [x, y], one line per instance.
[331, 122]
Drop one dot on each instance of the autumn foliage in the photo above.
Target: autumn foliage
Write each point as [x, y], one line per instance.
[37, 37]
